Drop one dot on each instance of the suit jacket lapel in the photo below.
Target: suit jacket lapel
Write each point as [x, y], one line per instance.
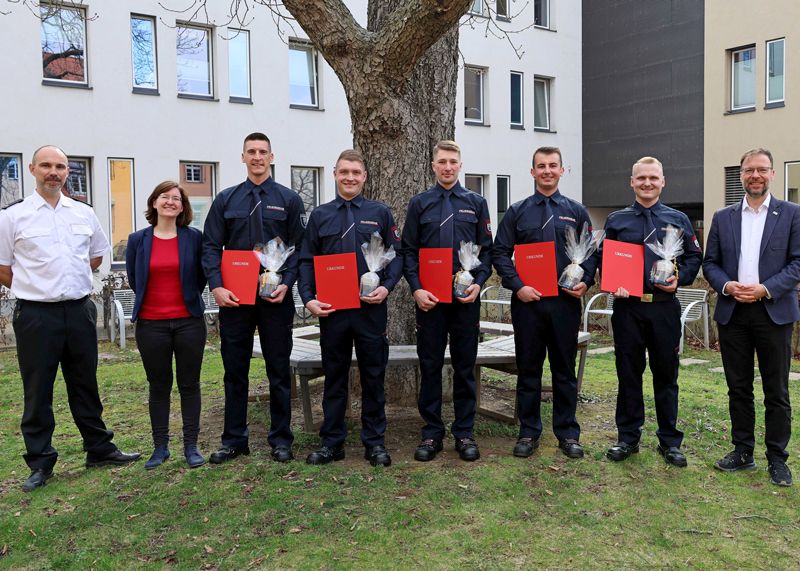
[773, 214]
[183, 244]
[736, 230]
[147, 247]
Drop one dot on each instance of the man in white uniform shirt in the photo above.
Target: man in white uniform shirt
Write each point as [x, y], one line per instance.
[753, 262]
[49, 245]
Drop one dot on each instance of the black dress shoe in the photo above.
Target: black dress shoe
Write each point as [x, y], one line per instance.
[427, 450]
[37, 479]
[525, 447]
[282, 454]
[571, 448]
[673, 455]
[116, 458]
[467, 449]
[622, 451]
[377, 456]
[779, 473]
[224, 454]
[736, 461]
[325, 455]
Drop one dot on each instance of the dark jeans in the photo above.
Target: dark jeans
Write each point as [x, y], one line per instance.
[751, 331]
[158, 341]
[461, 323]
[49, 334]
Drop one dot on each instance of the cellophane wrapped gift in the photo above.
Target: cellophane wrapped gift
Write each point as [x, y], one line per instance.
[668, 251]
[468, 257]
[377, 258]
[272, 256]
[578, 251]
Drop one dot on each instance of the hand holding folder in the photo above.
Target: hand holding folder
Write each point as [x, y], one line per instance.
[436, 272]
[536, 266]
[240, 269]
[336, 277]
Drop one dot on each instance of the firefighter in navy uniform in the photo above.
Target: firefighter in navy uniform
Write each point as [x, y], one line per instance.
[341, 226]
[444, 216]
[652, 322]
[254, 212]
[544, 325]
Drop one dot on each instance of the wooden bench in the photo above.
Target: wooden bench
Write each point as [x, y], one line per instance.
[498, 354]
[497, 296]
[694, 307]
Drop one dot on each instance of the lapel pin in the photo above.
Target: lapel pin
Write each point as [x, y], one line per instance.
[775, 212]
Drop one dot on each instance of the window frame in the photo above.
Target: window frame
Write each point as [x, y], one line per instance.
[479, 177]
[786, 181]
[502, 213]
[136, 88]
[774, 102]
[73, 172]
[211, 182]
[317, 185]
[481, 73]
[504, 16]
[480, 11]
[733, 107]
[547, 82]
[545, 4]
[521, 123]
[19, 181]
[194, 169]
[232, 34]
[117, 262]
[209, 31]
[308, 47]
[81, 11]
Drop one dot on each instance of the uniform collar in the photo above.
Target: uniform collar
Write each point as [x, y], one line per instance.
[655, 209]
[340, 202]
[456, 189]
[556, 197]
[249, 185]
[38, 201]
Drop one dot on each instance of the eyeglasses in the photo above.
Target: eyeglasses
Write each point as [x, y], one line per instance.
[760, 170]
[168, 198]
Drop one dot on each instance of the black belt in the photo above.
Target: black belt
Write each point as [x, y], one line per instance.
[53, 303]
[656, 296]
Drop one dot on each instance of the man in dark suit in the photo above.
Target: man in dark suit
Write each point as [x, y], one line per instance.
[753, 261]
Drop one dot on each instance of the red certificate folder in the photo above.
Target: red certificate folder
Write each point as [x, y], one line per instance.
[436, 272]
[536, 266]
[623, 266]
[240, 270]
[337, 280]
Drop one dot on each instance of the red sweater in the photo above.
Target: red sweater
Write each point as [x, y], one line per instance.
[163, 297]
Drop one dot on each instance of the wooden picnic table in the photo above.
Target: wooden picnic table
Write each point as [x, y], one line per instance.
[497, 354]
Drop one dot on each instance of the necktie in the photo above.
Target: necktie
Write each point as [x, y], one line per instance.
[446, 224]
[548, 223]
[650, 236]
[256, 221]
[348, 230]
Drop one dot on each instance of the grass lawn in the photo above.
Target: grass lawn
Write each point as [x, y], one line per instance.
[500, 512]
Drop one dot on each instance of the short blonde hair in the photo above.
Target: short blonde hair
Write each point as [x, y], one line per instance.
[446, 146]
[647, 161]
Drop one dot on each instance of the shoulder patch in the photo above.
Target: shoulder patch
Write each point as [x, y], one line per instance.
[12, 204]
[488, 224]
[304, 220]
[396, 233]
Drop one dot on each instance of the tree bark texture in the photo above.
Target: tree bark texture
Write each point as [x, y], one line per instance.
[400, 77]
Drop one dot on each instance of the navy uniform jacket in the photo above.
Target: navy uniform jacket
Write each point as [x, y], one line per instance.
[324, 236]
[137, 264]
[627, 225]
[522, 225]
[228, 225]
[421, 230]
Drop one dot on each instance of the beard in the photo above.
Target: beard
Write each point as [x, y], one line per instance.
[756, 193]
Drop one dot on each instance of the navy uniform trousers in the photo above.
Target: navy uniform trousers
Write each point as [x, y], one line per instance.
[549, 326]
[366, 328]
[461, 322]
[655, 327]
[237, 326]
[48, 334]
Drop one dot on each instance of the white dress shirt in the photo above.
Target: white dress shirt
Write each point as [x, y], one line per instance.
[49, 249]
[753, 221]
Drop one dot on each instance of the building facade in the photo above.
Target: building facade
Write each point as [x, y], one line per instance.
[136, 94]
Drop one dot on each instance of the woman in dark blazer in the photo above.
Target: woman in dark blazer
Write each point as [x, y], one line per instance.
[163, 264]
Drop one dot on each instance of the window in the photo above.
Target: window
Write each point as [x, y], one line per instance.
[503, 195]
[775, 71]
[120, 187]
[733, 186]
[516, 99]
[143, 53]
[541, 13]
[476, 8]
[474, 182]
[792, 179]
[194, 61]
[199, 182]
[541, 103]
[502, 10]
[743, 78]
[303, 90]
[473, 95]
[63, 36]
[79, 183]
[10, 181]
[239, 64]
[305, 182]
